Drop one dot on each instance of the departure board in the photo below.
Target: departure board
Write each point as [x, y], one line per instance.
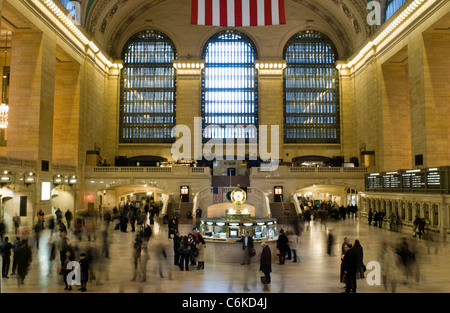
[414, 180]
[433, 179]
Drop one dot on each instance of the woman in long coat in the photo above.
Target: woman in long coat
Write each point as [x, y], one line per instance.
[359, 259]
[200, 245]
[266, 263]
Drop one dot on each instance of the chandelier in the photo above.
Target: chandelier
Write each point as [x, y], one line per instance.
[4, 108]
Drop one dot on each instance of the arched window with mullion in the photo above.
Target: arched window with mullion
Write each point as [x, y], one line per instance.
[148, 89]
[229, 86]
[311, 90]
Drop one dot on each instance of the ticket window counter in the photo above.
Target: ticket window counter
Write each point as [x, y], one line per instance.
[259, 230]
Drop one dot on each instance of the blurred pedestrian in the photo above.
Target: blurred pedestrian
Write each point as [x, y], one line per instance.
[293, 244]
[2, 229]
[15, 247]
[38, 228]
[69, 217]
[84, 272]
[24, 258]
[370, 217]
[390, 267]
[16, 222]
[137, 250]
[5, 250]
[330, 242]
[266, 264]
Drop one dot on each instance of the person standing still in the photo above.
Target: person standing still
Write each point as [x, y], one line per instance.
[266, 264]
[247, 245]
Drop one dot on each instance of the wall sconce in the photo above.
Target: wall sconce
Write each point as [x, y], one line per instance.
[73, 180]
[58, 179]
[5, 178]
[30, 178]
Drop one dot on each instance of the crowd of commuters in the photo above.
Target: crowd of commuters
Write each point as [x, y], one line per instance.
[82, 243]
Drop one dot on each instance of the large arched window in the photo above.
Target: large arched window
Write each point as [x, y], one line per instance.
[148, 90]
[311, 90]
[392, 6]
[229, 87]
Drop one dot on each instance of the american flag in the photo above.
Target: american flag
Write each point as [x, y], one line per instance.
[234, 13]
[217, 194]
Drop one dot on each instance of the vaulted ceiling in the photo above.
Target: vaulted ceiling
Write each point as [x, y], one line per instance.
[112, 22]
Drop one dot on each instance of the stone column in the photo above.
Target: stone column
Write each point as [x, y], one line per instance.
[271, 111]
[30, 130]
[189, 82]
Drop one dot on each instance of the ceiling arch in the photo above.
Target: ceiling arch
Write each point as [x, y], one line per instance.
[112, 22]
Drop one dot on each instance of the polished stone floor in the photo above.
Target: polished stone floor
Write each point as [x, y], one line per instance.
[317, 272]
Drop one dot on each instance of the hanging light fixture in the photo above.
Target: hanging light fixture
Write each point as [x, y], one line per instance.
[4, 107]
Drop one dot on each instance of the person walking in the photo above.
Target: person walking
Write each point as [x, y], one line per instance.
[15, 247]
[5, 250]
[247, 245]
[16, 222]
[24, 258]
[137, 251]
[359, 259]
[69, 217]
[266, 265]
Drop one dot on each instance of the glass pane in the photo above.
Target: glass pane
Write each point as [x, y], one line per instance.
[148, 104]
[311, 87]
[392, 7]
[229, 86]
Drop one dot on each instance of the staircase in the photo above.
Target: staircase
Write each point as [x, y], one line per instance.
[185, 207]
[277, 211]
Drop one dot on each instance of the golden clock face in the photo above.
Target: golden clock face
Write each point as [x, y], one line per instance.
[238, 196]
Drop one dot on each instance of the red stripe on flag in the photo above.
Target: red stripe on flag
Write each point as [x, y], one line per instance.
[268, 12]
[253, 13]
[194, 12]
[238, 13]
[223, 13]
[208, 12]
[281, 12]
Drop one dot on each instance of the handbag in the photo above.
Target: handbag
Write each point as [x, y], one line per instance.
[252, 252]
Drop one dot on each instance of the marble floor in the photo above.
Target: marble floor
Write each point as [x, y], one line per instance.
[317, 272]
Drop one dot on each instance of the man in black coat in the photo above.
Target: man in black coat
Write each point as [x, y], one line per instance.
[283, 246]
[350, 266]
[247, 245]
[5, 249]
[176, 247]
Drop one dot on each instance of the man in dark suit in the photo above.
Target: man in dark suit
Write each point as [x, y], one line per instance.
[349, 266]
[176, 247]
[247, 245]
